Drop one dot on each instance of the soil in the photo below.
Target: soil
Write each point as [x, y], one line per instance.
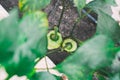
[83, 30]
[9, 4]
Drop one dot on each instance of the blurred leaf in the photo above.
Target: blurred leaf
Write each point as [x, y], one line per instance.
[116, 77]
[22, 62]
[32, 36]
[93, 54]
[111, 2]
[43, 76]
[100, 77]
[8, 35]
[108, 26]
[32, 24]
[75, 71]
[32, 5]
[116, 63]
[79, 4]
[35, 26]
[103, 5]
[57, 77]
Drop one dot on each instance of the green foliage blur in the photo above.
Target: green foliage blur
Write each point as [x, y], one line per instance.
[24, 40]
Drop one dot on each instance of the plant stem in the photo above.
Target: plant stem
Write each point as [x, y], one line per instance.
[80, 13]
[78, 41]
[31, 73]
[74, 26]
[78, 20]
[54, 51]
[56, 31]
[61, 16]
[42, 68]
[46, 64]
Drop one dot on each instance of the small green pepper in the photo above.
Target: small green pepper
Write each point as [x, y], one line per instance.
[54, 40]
[69, 45]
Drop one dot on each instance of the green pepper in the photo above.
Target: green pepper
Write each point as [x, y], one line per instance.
[69, 45]
[54, 40]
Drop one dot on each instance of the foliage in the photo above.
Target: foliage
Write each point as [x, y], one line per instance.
[32, 5]
[112, 30]
[79, 4]
[22, 43]
[43, 76]
[24, 40]
[103, 5]
[94, 54]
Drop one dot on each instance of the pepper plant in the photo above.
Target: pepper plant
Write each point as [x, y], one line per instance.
[23, 40]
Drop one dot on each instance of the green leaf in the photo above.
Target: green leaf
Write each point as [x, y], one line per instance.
[111, 2]
[103, 5]
[22, 63]
[116, 63]
[94, 54]
[35, 26]
[78, 71]
[57, 77]
[8, 35]
[108, 26]
[100, 77]
[79, 4]
[32, 36]
[43, 76]
[32, 5]
[115, 77]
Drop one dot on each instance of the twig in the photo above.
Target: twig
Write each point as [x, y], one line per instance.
[42, 68]
[61, 16]
[74, 26]
[46, 64]
[53, 51]
[80, 17]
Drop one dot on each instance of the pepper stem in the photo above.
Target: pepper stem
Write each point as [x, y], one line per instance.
[56, 30]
